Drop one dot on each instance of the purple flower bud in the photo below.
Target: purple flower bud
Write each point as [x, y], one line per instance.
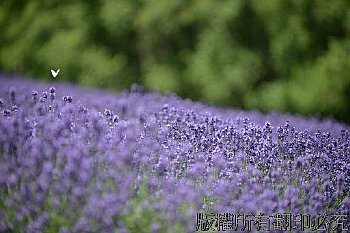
[6, 112]
[44, 95]
[68, 99]
[52, 90]
[14, 108]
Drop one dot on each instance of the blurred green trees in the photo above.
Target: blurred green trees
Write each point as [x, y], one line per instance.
[285, 55]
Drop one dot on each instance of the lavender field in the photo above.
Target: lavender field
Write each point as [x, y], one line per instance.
[80, 160]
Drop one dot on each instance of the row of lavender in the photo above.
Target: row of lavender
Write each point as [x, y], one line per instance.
[74, 160]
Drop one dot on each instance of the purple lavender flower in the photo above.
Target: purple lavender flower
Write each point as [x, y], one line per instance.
[105, 161]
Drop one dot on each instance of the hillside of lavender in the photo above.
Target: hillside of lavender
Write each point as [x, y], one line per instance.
[85, 160]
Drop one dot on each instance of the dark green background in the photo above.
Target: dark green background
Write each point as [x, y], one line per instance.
[283, 55]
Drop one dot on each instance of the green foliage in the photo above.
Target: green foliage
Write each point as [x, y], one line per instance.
[143, 217]
[285, 55]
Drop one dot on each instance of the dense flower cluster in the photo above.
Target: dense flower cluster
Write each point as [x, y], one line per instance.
[75, 160]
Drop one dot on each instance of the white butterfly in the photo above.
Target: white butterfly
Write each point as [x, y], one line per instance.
[55, 73]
